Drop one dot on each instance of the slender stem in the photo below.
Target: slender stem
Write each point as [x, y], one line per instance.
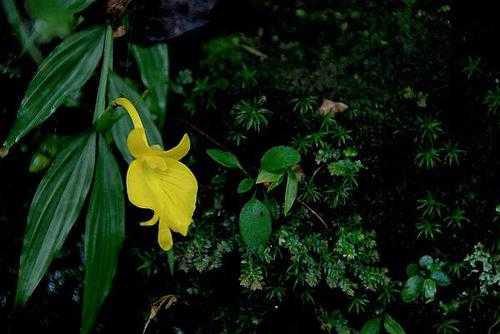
[201, 132]
[315, 214]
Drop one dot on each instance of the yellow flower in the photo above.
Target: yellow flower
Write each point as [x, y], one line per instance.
[156, 180]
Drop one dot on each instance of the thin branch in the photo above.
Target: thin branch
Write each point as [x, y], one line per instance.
[315, 214]
[201, 132]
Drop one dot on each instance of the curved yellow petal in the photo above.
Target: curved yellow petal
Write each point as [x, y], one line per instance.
[137, 143]
[165, 237]
[178, 152]
[151, 221]
[129, 107]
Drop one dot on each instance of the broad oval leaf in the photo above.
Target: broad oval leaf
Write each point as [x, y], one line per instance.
[104, 234]
[292, 183]
[372, 326]
[55, 207]
[153, 66]
[245, 185]
[65, 70]
[255, 224]
[224, 158]
[411, 289]
[392, 326]
[119, 88]
[279, 158]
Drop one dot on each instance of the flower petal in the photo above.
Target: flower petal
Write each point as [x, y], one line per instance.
[178, 192]
[151, 221]
[129, 107]
[165, 186]
[138, 191]
[165, 237]
[137, 143]
[178, 152]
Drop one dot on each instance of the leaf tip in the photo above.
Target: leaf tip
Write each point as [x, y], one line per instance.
[4, 150]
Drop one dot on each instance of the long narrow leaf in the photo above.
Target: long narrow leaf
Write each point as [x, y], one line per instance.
[104, 234]
[107, 64]
[119, 88]
[65, 70]
[55, 207]
[153, 66]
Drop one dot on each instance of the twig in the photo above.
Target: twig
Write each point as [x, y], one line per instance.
[254, 51]
[156, 307]
[201, 132]
[490, 330]
[315, 214]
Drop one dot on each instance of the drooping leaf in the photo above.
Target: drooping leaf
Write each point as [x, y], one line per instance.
[104, 234]
[119, 88]
[52, 18]
[292, 183]
[372, 326]
[55, 207]
[245, 185]
[429, 288]
[392, 326]
[153, 66]
[19, 28]
[279, 158]
[224, 158]
[106, 66]
[255, 224]
[411, 289]
[65, 70]
[159, 21]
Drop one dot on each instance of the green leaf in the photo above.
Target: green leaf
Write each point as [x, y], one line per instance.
[292, 183]
[106, 66]
[411, 289]
[19, 28]
[441, 278]
[245, 185]
[273, 206]
[255, 224]
[412, 269]
[119, 88]
[224, 158]
[52, 18]
[279, 158]
[425, 261]
[268, 177]
[392, 326]
[76, 6]
[65, 70]
[104, 234]
[429, 288]
[55, 207]
[372, 326]
[153, 66]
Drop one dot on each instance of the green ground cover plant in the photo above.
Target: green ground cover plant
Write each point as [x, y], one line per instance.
[346, 159]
